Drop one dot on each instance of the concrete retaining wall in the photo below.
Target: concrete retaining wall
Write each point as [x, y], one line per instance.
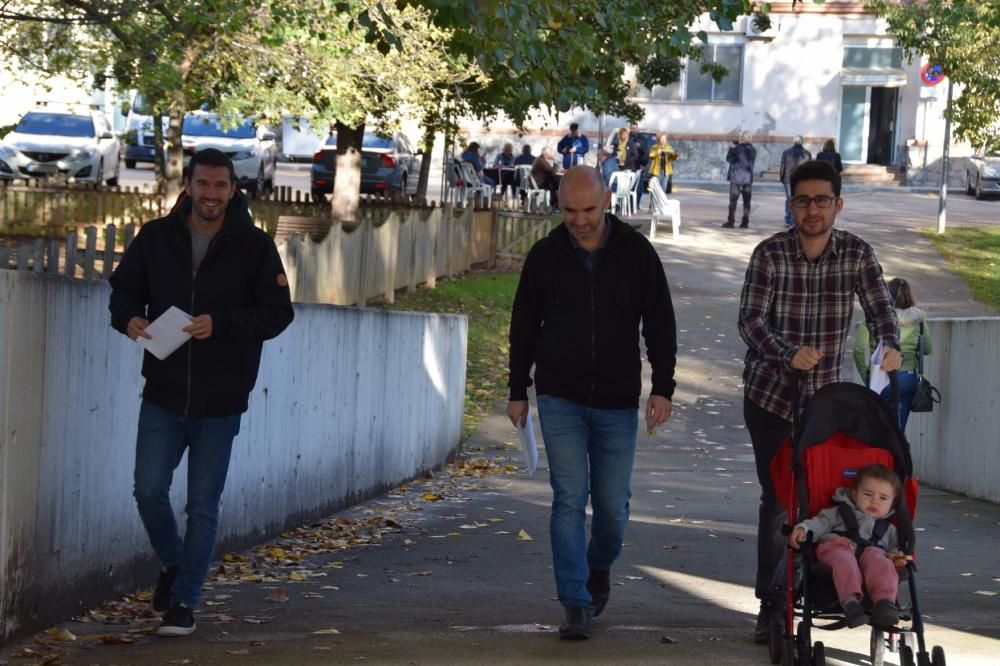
[957, 446]
[348, 403]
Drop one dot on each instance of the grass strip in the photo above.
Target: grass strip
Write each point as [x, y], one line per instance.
[974, 253]
[486, 299]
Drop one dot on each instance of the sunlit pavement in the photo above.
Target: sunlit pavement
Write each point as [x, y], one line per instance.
[461, 584]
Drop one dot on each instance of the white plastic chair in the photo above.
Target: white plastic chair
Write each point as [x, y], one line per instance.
[623, 198]
[458, 189]
[663, 206]
[527, 186]
[475, 185]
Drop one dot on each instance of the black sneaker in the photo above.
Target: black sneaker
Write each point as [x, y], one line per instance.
[854, 613]
[728, 225]
[161, 597]
[576, 626]
[179, 621]
[884, 614]
[599, 586]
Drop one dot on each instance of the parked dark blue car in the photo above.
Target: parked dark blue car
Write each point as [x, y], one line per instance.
[387, 164]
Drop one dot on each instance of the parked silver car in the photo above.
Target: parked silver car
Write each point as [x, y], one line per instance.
[74, 143]
[984, 172]
[252, 148]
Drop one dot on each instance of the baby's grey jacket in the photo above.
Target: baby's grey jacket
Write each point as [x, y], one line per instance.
[827, 522]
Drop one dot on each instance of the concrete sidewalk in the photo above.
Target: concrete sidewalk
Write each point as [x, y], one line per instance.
[453, 578]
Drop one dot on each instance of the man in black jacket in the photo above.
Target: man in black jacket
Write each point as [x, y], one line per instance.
[584, 291]
[791, 158]
[208, 259]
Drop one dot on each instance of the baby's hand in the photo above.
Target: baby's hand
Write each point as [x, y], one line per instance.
[899, 559]
[797, 536]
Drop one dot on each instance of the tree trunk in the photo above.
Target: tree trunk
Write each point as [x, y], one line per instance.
[347, 176]
[175, 151]
[427, 146]
[158, 153]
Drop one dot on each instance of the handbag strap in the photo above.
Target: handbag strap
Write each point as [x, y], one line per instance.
[920, 351]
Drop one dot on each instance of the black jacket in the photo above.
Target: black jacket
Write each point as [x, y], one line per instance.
[240, 283]
[790, 161]
[581, 331]
[741, 158]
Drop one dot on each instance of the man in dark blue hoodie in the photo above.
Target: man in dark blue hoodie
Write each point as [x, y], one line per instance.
[208, 259]
[584, 292]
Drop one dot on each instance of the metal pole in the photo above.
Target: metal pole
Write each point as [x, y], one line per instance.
[943, 195]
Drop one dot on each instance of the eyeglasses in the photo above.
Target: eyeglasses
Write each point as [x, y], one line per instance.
[821, 201]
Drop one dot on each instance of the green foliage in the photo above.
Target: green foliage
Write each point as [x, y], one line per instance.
[963, 37]
[565, 53]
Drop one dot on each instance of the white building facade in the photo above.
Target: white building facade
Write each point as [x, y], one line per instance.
[826, 71]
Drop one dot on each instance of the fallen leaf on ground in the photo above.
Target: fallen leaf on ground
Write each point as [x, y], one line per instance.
[296, 575]
[326, 631]
[277, 596]
[116, 639]
[60, 634]
[988, 593]
[524, 536]
[430, 497]
[237, 651]
[421, 573]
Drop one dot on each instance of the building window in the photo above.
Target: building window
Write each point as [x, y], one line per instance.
[695, 86]
[863, 57]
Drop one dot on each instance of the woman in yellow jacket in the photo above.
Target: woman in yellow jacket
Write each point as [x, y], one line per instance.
[911, 329]
[661, 162]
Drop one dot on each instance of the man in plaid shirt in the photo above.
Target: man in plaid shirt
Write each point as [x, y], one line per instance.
[795, 313]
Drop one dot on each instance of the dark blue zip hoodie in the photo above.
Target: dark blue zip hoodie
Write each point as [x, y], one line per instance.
[581, 330]
[241, 283]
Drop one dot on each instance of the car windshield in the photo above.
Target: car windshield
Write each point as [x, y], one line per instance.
[140, 105]
[368, 141]
[56, 124]
[201, 125]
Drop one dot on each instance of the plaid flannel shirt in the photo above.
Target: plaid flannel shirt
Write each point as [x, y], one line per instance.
[789, 301]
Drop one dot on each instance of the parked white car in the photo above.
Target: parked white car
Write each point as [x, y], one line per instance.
[253, 149]
[74, 143]
[984, 173]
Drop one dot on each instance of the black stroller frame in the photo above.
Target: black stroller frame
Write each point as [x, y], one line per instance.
[792, 646]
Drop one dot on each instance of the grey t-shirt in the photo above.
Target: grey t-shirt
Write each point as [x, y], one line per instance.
[199, 247]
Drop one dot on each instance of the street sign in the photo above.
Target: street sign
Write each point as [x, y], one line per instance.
[931, 74]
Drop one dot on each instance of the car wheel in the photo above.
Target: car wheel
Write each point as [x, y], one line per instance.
[318, 196]
[129, 164]
[100, 175]
[979, 188]
[969, 189]
[113, 181]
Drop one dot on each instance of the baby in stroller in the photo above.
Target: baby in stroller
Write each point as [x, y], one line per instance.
[859, 543]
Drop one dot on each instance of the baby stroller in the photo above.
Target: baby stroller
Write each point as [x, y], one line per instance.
[843, 428]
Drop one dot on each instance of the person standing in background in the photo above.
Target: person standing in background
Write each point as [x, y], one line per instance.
[573, 147]
[790, 161]
[741, 157]
[830, 154]
[661, 162]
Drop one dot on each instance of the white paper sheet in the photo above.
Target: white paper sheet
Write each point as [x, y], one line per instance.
[166, 333]
[529, 446]
[878, 378]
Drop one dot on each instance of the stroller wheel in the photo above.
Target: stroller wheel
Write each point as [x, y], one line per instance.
[876, 647]
[937, 656]
[906, 656]
[819, 654]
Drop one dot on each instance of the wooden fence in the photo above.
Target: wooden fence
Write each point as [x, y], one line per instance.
[40, 205]
[82, 232]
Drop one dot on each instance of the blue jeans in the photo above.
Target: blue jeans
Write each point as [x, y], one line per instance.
[907, 387]
[788, 206]
[590, 452]
[163, 437]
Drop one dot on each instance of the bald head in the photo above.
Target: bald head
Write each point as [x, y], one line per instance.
[582, 178]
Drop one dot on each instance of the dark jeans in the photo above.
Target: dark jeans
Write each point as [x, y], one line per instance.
[163, 437]
[767, 432]
[735, 190]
